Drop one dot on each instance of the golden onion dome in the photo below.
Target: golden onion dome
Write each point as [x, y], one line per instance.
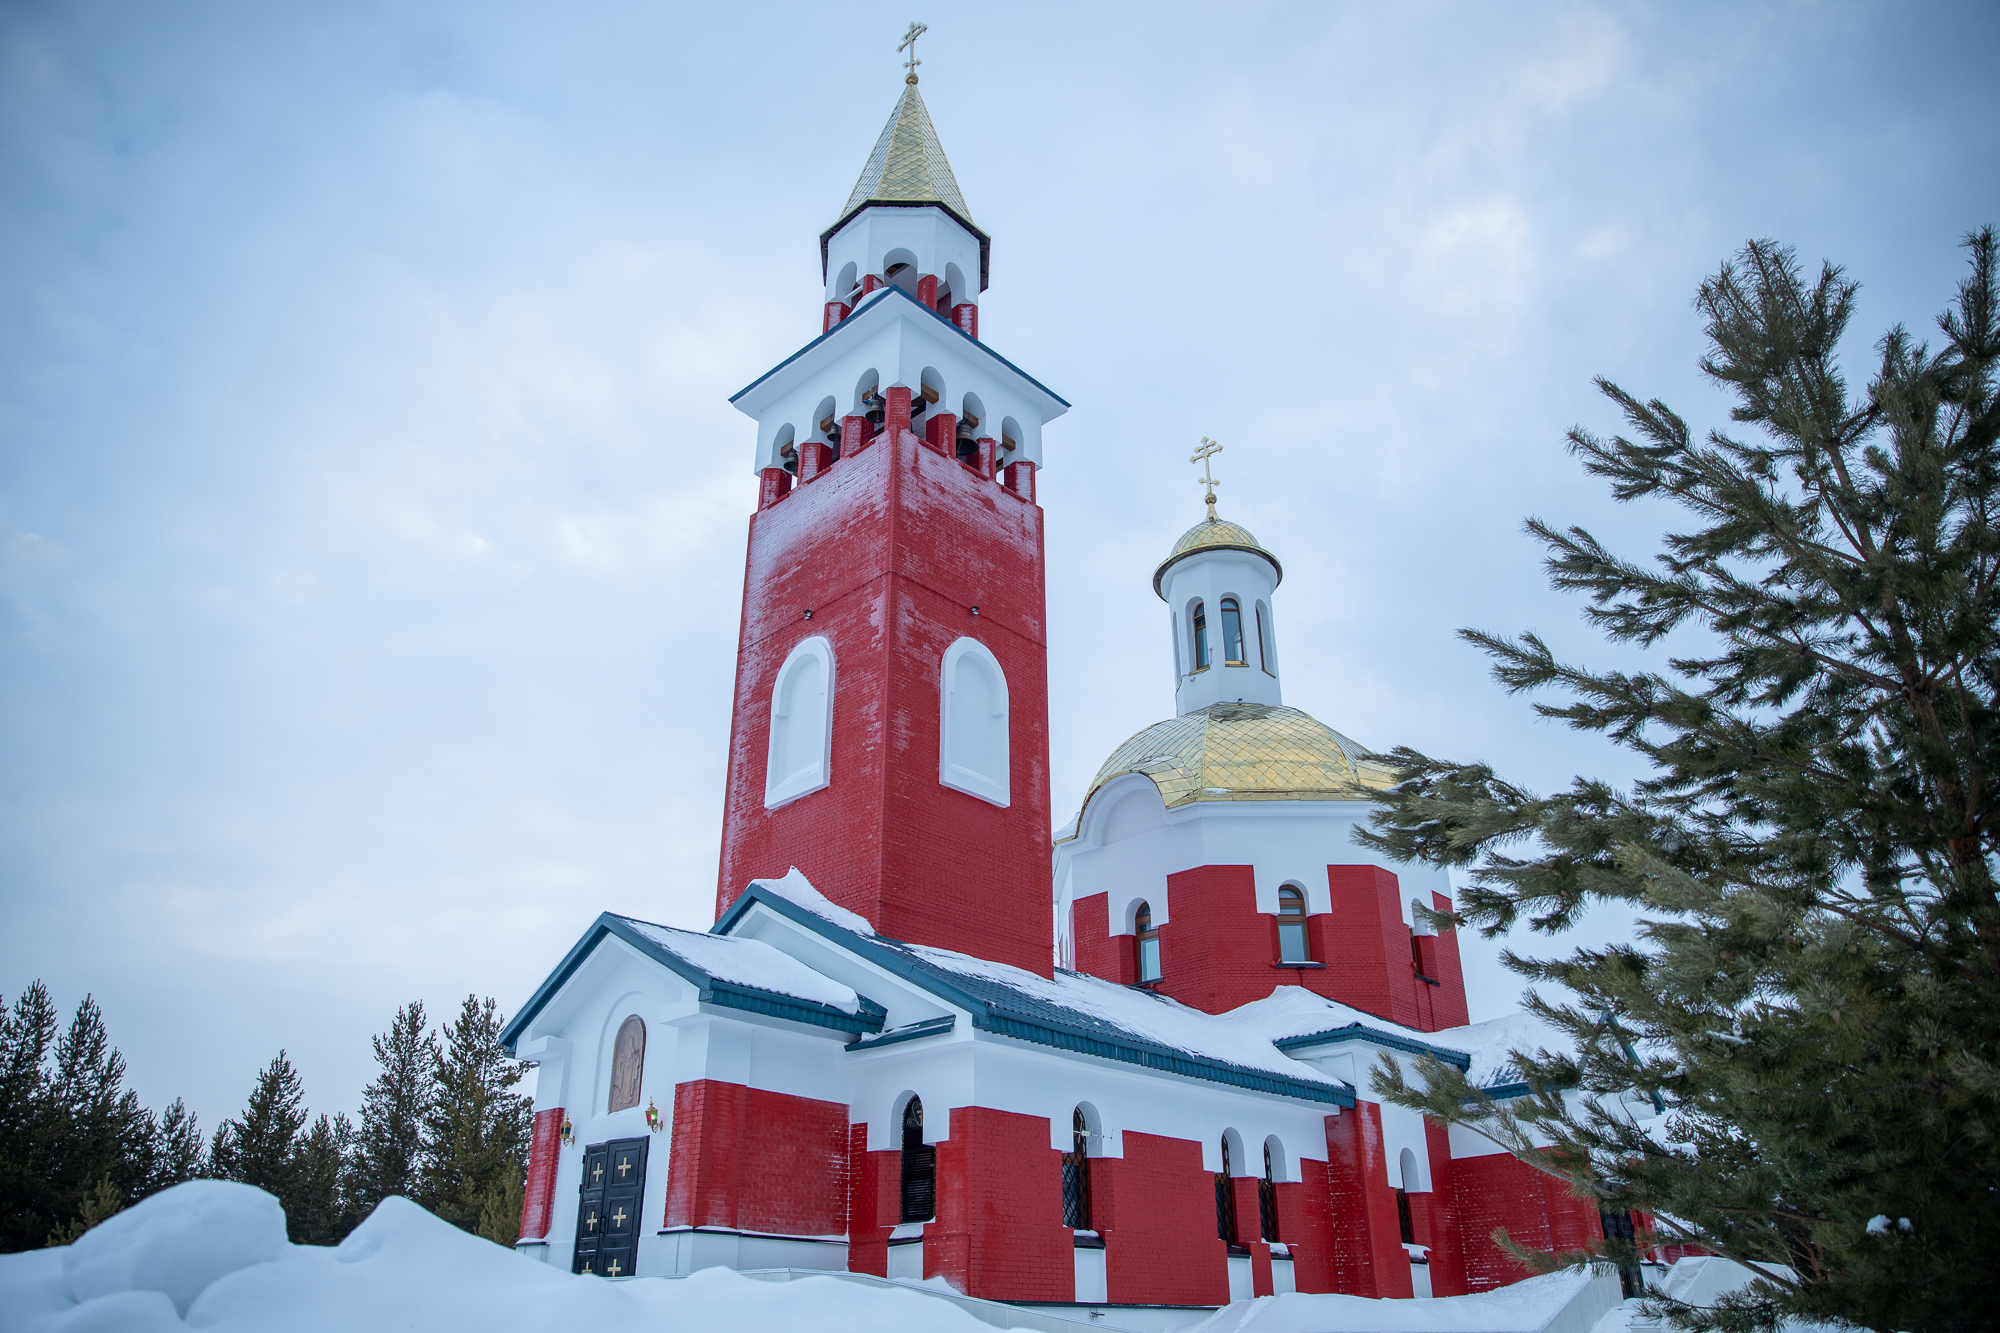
[1214, 534]
[1246, 752]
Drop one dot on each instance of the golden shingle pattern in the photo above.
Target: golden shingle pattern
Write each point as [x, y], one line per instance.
[1211, 534]
[1246, 752]
[908, 164]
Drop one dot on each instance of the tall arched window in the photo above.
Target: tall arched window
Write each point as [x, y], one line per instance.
[972, 731]
[1198, 621]
[1146, 940]
[1406, 1164]
[1232, 633]
[1267, 1198]
[1225, 1198]
[801, 748]
[628, 1063]
[1292, 946]
[1263, 643]
[919, 1166]
[1076, 1175]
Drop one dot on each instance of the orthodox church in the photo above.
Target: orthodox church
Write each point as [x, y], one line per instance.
[928, 1036]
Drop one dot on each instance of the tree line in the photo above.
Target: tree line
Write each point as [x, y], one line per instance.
[439, 1124]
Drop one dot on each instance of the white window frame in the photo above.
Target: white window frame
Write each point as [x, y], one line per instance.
[784, 788]
[958, 777]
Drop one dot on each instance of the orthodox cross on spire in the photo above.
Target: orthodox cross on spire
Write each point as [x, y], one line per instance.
[1209, 448]
[910, 44]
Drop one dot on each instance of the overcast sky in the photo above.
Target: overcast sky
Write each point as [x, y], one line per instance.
[372, 514]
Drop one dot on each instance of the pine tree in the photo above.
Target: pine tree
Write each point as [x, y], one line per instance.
[477, 1131]
[261, 1147]
[321, 1209]
[178, 1153]
[28, 1206]
[1812, 990]
[390, 1141]
[100, 1130]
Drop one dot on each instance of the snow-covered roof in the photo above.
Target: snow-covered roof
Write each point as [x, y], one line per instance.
[743, 974]
[1069, 1011]
[1489, 1045]
[750, 962]
[795, 887]
[1293, 1018]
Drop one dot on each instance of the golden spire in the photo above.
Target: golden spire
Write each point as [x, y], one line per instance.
[1209, 449]
[910, 44]
[908, 165]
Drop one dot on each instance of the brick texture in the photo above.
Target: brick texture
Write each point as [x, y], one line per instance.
[1369, 1259]
[1368, 957]
[967, 318]
[1498, 1190]
[757, 1161]
[1435, 1214]
[1098, 952]
[1305, 1225]
[1155, 1207]
[544, 1150]
[999, 1233]
[890, 549]
[874, 1181]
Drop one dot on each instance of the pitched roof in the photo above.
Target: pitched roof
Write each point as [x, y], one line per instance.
[733, 973]
[908, 165]
[1074, 1012]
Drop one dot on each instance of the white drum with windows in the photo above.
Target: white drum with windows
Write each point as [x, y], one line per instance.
[972, 745]
[801, 756]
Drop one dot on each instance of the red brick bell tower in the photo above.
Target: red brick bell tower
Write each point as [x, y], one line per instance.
[890, 727]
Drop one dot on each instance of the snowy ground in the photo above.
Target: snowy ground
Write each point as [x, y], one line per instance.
[213, 1255]
[216, 1253]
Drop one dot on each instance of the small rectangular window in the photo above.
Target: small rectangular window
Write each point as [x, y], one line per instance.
[1232, 633]
[1292, 942]
[1149, 959]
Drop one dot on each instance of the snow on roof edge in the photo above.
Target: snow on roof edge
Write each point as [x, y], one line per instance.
[796, 889]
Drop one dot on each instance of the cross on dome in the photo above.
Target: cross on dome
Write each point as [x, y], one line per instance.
[1209, 449]
[910, 44]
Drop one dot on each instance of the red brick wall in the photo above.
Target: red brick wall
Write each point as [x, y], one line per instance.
[1368, 962]
[1099, 952]
[890, 549]
[1305, 1223]
[1155, 1208]
[1436, 1216]
[874, 1197]
[758, 1161]
[1216, 949]
[999, 1233]
[1499, 1190]
[1369, 1259]
[543, 1154]
[1441, 963]
[1249, 1223]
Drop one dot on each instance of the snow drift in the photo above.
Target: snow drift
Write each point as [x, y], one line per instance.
[213, 1255]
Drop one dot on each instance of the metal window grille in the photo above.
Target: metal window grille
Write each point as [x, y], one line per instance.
[1619, 1227]
[1267, 1209]
[1076, 1177]
[1403, 1217]
[919, 1167]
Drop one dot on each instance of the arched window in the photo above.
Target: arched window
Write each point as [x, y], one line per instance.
[1263, 643]
[1199, 623]
[1406, 1165]
[919, 1166]
[800, 759]
[1292, 946]
[1232, 633]
[972, 732]
[1076, 1175]
[1225, 1198]
[628, 1063]
[1146, 940]
[1267, 1199]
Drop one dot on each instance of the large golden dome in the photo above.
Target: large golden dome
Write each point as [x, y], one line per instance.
[1246, 752]
[1215, 534]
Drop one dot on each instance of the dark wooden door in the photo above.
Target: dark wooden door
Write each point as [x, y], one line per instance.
[612, 1193]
